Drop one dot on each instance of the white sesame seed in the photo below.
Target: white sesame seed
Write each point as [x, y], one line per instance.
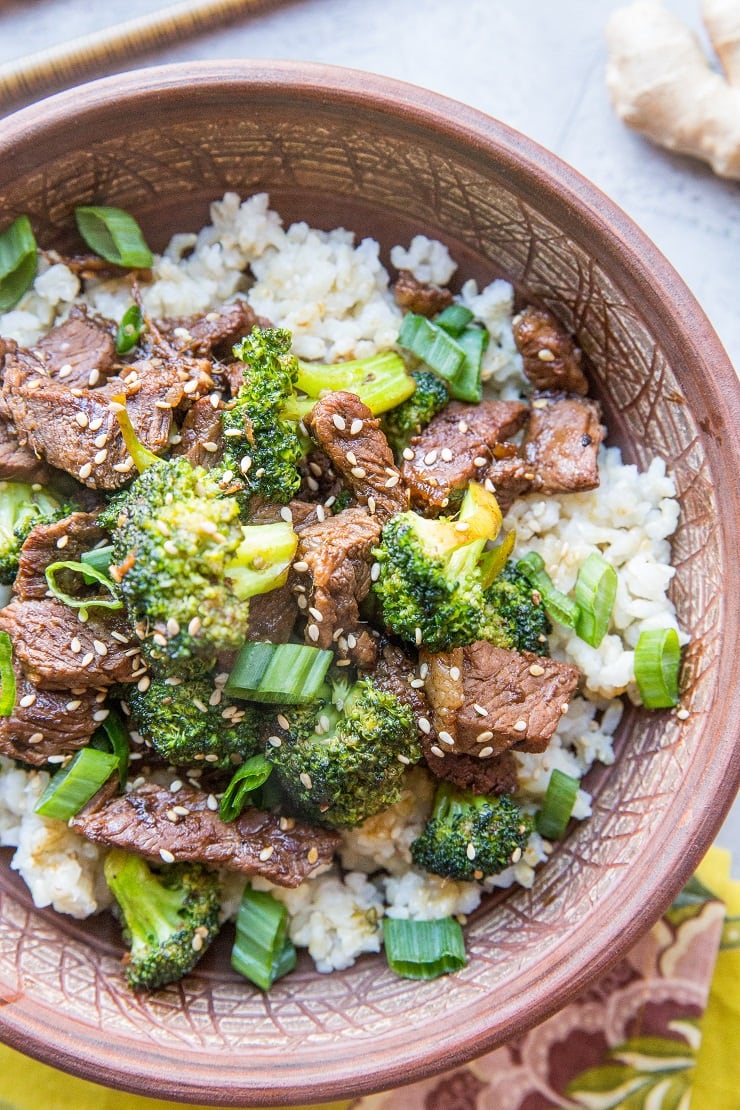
[212, 757]
[516, 855]
[485, 752]
[87, 659]
[375, 572]
[312, 484]
[403, 759]
[118, 637]
[245, 464]
[212, 803]
[462, 426]
[56, 759]
[301, 566]
[430, 457]
[446, 738]
[682, 714]
[194, 626]
[81, 419]
[564, 707]
[286, 514]
[197, 942]
[482, 737]
[455, 674]
[143, 684]
[339, 422]
[85, 470]
[306, 780]
[356, 426]
[435, 750]
[480, 709]
[470, 851]
[215, 698]
[96, 424]
[408, 453]
[520, 726]
[172, 626]
[312, 855]
[313, 632]
[446, 454]
[159, 639]
[200, 705]
[320, 513]
[100, 647]
[536, 670]
[274, 741]
[101, 715]
[266, 853]
[351, 640]
[351, 458]
[545, 356]
[393, 481]
[71, 706]
[416, 683]
[302, 601]
[35, 738]
[358, 472]
[316, 614]
[166, 855]
[424, 725]
[83, 616]
[62, 541]
[101, 440]
[417, 635]
[100, 457]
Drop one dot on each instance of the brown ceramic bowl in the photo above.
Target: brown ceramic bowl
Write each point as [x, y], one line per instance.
[339, 147]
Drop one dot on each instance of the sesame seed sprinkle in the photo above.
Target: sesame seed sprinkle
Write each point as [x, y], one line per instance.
[101, 440]
[682, 714]
[71, 706]
[194, 626]
[85, 471]
[403, 759]
[480, 709]
[306, 780]
[424, 725]
[81, 419]
[313, 632]
[172, 626]
[143, 684]
[316, 614]
[274, 741]
[430, 457]
[301, 566]
[455, 674]
[435, 750]
[339, 422]
[356, 426]
[212, 803]
[215, 698]
[417, 636]
[27, 700]
[267, 852]
[485, 752]
[393, 481]
[520, 726]
[320, 513]
[351, 458]
[87, 659]
[75, 646]
[313, 855]
[408, 454]
[100, 647]
[62, 541]
[375, 572]
[166, 855]
[536, 670]
[359, 472]
[470, 851]
[197, 942]
[446, 454]
[56, 758]
[286, 514]
[446, 738]
[96, 424]
[283, 721]
[516, 855]
[36, 738]
[482, 737]
[545, 356]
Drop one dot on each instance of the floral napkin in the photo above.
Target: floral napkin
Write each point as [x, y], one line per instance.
[660, 1031]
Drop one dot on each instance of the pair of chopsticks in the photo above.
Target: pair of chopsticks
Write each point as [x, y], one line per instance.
[60, 66]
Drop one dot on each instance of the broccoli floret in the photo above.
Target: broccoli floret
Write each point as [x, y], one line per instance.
[187, 567]
[186, 725]
[169, 916]
[343, 760]
[22, 507]
[520, 609]
[342, 501]
[411, 417]
[261, 426]
[470, 836]
[430, 584]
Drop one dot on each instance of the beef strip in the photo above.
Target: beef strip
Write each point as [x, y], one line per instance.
[393, 673]
[418, 296]
[201, 440]
[272, 616]
[139, 822]
[483, 776]
[319, 480]
[46, 722]
[351, 437]
[48, 543]
[551, 358]
[520, 698]
[74, 428]
[45, 634]
[444, 690]
[217, 330]
[336, 554]
[454, 448]
[562, 443]
[81, 351]
[19, 463]
[508, 478]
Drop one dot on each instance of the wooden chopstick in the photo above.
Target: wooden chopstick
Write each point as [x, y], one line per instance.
[60, 66]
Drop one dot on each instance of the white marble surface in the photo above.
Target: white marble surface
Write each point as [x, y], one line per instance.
[535, 64]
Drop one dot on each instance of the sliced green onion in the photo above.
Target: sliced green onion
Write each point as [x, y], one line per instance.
[7, 676]
[89, 573]
[596, 589]
[288, 673]
[18, 261]
[285, 961]
[129, 329]
[100, 558]
[559, 606]
[657, 660]
[553, 818]
[142, 456]
[432, 345]
[454, 319]
[381, 381]
[424, 949]
[259, 952]
[246, 779]
[112, 736]
[114, 235]
[467, 385]
[72, 787]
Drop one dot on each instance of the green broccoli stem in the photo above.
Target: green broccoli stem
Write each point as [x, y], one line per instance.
[152, 911]
[381, 381]
[263, 558]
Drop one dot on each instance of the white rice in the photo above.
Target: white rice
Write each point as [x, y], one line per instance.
[334, 296]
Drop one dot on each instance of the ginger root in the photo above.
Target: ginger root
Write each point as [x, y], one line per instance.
[663, 86]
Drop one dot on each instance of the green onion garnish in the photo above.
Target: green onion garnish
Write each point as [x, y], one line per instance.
[142, 456]
[89, 573]
[596, 589]
[129, 329]
[245, 780]
[114, 235]
[100, 558]
[432, 345]
[559, 606]
[259, 952]
[424, 949]
[288, 673]
[72, 787]
[7, 676]
[467, 386]
[454, 319]
[553, 818]
[657, 660]
[112, 736]
[18, 261]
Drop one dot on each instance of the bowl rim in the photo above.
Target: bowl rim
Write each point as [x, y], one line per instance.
[643, 271]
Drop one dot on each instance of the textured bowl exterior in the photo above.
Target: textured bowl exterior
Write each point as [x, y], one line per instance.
[335, 146]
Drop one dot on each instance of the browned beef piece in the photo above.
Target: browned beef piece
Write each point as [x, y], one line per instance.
[285, 851]
[81, 351]
[201, 440]
[75, 430]
[221, 328]
[19, 463]
[393, 673]
[351, 437]
[46, 636]
[46, 722]
[443, 685]
[332, 576]
[231, 377]
[48, 543]
[512, 699]
[562, 443]
[454, 448]
[319, 480]
[416, 296]
[508, 478]
[551, 358]
[482, 776]
[272, 616]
